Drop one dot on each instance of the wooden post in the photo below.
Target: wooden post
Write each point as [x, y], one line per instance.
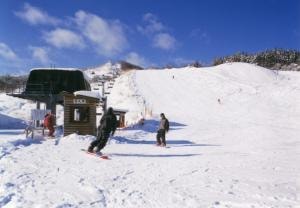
[103, 90]
[104, 104]
[104, 97]
[38, 106]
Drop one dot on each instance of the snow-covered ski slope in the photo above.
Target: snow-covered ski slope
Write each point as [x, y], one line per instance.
[234, 142]
[105, 69]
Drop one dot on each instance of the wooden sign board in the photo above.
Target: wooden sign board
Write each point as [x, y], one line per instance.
[79, 101]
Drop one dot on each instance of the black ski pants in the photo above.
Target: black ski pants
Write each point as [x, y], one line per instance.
[101, 140]
[161, 137]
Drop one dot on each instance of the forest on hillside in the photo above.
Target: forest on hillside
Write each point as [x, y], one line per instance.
[10, 83]
[275, 59]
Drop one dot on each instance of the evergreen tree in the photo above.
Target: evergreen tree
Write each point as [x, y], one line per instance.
[273, 59]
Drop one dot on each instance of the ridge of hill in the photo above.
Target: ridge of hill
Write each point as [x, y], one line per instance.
[275, 59]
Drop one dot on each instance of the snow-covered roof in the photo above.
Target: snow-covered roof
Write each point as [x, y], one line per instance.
[66, 69]
[91, 94]
[120, 110]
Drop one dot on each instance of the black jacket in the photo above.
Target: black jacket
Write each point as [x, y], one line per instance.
[108, 122]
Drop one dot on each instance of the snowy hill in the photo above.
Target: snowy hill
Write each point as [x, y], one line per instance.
[233, 142]
[105, 69]
[110, 69]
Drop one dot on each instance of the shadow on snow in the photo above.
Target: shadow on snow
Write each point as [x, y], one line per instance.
[176, 143]
[157, 155]
[11, 132]
[26, 142]
[124, 140]
[8, 122]
[151, 126]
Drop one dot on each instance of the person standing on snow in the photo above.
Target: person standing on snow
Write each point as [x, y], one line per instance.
[49, 123]
[161, 133]
[108, 125]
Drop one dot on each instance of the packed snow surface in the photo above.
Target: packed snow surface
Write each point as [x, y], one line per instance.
[233, 142]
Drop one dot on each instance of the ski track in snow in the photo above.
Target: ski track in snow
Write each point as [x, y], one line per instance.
[242, 152]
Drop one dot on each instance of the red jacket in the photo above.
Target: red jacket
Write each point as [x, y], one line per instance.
[48, 121]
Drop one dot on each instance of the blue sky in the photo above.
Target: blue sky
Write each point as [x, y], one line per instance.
[85, 33]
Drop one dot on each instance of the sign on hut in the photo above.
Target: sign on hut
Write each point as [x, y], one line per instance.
[80, 112]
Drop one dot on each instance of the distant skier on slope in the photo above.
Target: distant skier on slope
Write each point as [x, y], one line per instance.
[108, 125]
[49, 123]
[162, 129]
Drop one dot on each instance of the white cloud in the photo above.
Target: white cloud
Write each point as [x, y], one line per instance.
[40, 54]
[200, 35]
[63, 38]
[35, 16]
[136, 59]
[164, 41]
[108, 36]
[7, 53]
[157, 31]
[179, 61]
[152, 24]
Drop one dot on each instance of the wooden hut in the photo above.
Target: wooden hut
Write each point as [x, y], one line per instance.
[120, 114]
[80, 112]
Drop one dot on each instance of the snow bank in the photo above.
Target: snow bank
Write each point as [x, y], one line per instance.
[15, 107]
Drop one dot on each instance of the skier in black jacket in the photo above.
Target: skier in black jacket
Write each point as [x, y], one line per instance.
[162, 129]
[108, 125]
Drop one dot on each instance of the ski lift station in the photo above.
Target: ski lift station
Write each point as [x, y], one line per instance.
[70, 88]
[45, 85]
